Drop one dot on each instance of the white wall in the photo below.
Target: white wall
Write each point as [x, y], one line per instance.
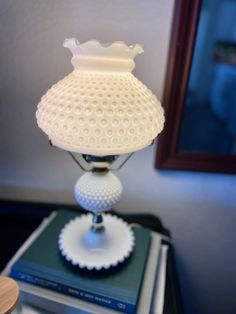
[198, 208]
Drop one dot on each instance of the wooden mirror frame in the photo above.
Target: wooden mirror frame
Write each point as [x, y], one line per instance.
[184, 28]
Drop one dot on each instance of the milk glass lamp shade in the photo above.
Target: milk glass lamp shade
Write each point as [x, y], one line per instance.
[100, 108]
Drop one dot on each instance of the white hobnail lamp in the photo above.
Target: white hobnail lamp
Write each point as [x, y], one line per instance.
[99, 110]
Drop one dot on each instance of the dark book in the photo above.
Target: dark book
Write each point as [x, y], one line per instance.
[117, 288]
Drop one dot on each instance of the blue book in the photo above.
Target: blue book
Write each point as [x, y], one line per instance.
[117, 288]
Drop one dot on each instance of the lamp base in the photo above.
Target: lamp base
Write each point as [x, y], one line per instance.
[93, 249]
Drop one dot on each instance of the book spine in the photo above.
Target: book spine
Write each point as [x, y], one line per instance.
[74, 292]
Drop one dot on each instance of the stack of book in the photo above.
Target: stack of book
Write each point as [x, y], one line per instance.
[48, 282]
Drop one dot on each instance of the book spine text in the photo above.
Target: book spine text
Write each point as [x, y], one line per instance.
[75, 292]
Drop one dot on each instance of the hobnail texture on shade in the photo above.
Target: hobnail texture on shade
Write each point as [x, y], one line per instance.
[98, 192]
[100, 108]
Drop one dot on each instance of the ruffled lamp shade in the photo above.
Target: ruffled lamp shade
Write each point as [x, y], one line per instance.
[100, 108]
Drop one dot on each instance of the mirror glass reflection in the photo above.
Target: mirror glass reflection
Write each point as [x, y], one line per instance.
[209, 118]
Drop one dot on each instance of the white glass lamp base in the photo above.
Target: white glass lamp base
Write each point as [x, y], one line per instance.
[86, 248]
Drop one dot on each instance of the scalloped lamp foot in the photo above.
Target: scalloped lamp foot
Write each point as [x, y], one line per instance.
[89, 249]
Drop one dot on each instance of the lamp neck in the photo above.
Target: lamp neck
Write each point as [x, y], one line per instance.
[100, 64]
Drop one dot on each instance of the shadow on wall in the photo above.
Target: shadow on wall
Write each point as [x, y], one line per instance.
[191, 305]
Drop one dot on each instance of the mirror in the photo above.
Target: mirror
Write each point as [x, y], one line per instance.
[200, 89]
